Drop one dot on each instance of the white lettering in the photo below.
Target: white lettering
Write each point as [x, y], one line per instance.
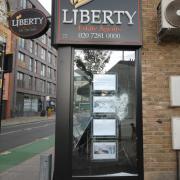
[107, 17]
[84, 16]
[26, 22]
[96, 19]
[75, 16]
[130, 16]
[65, 17]
[119, 16]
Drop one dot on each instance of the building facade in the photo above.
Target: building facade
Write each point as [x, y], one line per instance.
[159, 62]
[34, 70]
[6, 37]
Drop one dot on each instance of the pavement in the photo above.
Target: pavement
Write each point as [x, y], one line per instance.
[28, 169]
[20, 120]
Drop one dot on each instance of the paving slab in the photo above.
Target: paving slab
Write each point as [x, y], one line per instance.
[28, 170]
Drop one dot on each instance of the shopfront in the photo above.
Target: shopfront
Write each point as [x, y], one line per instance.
[99, 104]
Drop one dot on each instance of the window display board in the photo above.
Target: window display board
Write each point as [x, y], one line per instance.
[104, 128]
[104, 82]
[102, 151]
[104, 104]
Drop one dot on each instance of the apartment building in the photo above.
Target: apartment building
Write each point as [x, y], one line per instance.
[34, 69]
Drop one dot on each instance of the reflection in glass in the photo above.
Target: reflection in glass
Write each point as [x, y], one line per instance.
[95, 154]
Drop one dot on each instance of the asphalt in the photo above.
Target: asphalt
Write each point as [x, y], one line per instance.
[28, 168]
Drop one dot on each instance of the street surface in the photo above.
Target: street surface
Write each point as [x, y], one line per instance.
[16, 135]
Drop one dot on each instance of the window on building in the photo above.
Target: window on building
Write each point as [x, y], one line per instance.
[20, 80]
[28, 82]
[21, 43]
[43, 39]
[43, 71]
[30, 64]
[31, 46]
[21, 57]
[48, 72]
[52, 74]
[23, 4]
[49, 41]
[48, 88]
[49, 58]
[53, 89]
[29, 4]
[43, 53]
[36, 49]
[35, 66]
[40, 85]
[53, 60]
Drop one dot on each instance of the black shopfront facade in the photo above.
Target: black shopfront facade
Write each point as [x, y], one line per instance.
[99, 103]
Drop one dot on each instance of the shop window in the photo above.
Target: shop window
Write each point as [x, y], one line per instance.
[104, 115]
[27, 104]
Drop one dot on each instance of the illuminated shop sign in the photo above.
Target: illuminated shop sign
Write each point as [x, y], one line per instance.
[29, 23]
[116, 22]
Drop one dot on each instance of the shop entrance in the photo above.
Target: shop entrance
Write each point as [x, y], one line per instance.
[101, 138]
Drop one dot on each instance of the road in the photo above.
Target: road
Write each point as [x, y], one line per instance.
[17, 135]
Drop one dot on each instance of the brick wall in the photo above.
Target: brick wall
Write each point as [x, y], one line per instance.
[159, 61]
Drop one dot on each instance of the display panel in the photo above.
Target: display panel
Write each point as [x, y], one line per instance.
[102, 104]
[104, 82]
[104, 151]
[104, 127]
[104, 114]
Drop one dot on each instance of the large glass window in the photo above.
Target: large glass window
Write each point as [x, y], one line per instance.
[43, 53]
[21, 43]
[20, 80]
[49, 58]
[23, 3]
[104, 113]
[30, 64]
[43, 70]
[31, 46]
[36, 49]
[21, 57]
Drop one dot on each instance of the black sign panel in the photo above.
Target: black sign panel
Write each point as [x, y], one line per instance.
[29, 23]
[115, 22]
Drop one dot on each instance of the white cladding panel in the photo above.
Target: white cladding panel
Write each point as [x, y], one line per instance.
[175, 90]
[176, 133]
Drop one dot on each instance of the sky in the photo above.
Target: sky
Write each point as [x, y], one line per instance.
[46, 4]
